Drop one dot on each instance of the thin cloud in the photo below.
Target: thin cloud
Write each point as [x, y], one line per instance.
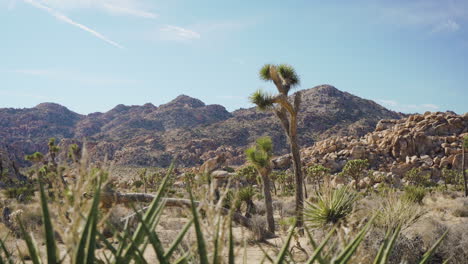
[170, 32]
[435, 16]
[119, 10]
[394, 105]
[66, 19]
[136, 8]
[447, 26]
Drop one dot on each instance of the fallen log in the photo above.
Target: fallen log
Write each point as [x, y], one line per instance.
[125, 198]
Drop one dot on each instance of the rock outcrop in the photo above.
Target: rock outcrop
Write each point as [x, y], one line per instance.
[431, 141]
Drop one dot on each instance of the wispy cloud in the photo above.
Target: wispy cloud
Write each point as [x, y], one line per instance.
[394, 105]
[66, 19]
[170, 32]
[435, 16]
[447, 26]
[136, 8]
[119, 10]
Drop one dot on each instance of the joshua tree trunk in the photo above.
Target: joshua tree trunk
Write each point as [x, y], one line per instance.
[110, 197]
[268, 201]
[463, 171]
[296, 158]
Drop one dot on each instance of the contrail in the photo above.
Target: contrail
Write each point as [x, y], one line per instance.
[65, 19]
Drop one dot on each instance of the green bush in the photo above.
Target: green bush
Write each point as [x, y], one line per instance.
[414, 194]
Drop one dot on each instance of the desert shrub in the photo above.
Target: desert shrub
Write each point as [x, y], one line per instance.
[392, 211]
[417, 177]
[330, 207]
[414, 194]
[258, 227]
[355, 170]
[288, 209]
[461, 211]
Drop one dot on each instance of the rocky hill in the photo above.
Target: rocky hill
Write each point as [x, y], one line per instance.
[152, 136]
[431, 141]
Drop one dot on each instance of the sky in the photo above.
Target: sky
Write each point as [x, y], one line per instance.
[90, 55]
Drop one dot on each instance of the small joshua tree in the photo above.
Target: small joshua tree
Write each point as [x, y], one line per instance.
[317, 173]
[355, 169]
[284, 77]
[260, 156]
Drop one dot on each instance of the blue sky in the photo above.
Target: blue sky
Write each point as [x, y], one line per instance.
[91, 55]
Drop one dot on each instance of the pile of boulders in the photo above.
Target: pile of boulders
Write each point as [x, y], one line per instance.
[431, 141]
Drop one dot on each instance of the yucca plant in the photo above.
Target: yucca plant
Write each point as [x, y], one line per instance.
[219, 248]
[330, 206]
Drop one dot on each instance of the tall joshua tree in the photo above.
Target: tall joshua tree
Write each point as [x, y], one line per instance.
[260, 156]
[284, 77]
[464, 147]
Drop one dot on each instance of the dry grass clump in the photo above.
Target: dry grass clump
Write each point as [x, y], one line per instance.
[392, 211]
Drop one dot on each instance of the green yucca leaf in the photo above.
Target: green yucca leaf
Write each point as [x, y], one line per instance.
[182, 260]
[231, 255]
[351, 248]
[202, 253]
[154, 239]
[177, 241]
[316, 254]
[380, 253]
[48, 229]
[265, 144]
[284, 250]
[139, 236]
[106, 242]
[289, 74]
[263, 100]
[31, 244]
[18, 249]
[216, 242]
[266, 256]
[390, 244]
[431, 251]
[265, 72]
[87, 244]
[5, 251]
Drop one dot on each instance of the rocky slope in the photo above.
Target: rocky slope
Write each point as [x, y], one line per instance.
[152, 136]
[431, 141]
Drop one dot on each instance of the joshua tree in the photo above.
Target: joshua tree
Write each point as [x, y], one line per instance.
[260, 156]
[355, 169]
[317, 173]
[284, 77]
[464, 147]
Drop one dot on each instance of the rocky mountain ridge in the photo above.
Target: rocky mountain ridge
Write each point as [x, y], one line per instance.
[148, 135]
